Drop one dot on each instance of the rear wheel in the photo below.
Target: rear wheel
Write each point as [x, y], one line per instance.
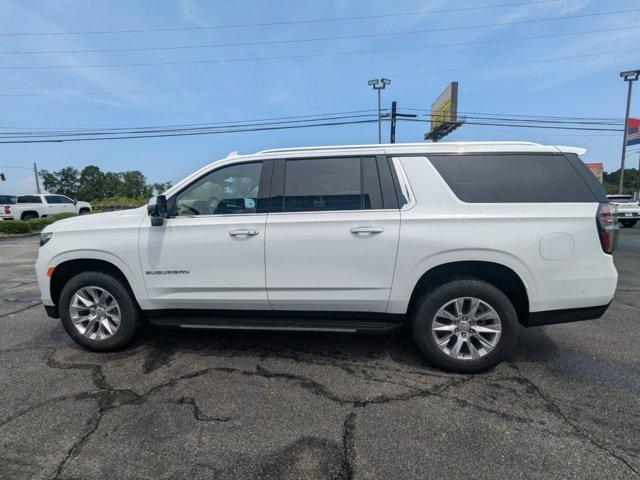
[465, 326]
[98, 311]
[628, 223]
[29, 216]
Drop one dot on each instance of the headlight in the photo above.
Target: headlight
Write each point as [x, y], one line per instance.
[45, 237]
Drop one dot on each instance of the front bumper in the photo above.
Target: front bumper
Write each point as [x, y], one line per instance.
[551, 317]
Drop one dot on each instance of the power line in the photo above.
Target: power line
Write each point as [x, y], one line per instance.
[217, 45]
[229, 122]
[555, 127]
[279, 23]
[618, 120]
[543, 120]
[209, 61]
[254, 128]
[513, 118]
[182, 134]
[221, 126]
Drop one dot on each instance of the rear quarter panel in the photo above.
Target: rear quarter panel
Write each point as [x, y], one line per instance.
[441, 229]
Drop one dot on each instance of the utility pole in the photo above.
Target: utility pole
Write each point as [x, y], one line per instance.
[35, 172]
[379, 85]
[392, 137]
[394, 119]
[629, 77]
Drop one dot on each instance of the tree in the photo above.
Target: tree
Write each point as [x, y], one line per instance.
[92, 184]
[134, 185]
[63, 182]
[160, 187]
[631, 181]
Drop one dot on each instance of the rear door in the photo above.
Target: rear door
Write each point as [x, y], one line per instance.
[332, 234]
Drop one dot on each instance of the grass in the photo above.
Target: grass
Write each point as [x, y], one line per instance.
[20, 227]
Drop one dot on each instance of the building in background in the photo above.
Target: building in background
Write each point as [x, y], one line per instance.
[596, 169]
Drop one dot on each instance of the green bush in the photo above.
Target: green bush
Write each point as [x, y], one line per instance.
[31, 226]
[14, 227]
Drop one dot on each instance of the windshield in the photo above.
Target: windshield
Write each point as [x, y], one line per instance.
[7, 199]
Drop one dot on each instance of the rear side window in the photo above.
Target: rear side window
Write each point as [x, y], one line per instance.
[330, 184]
[29, 199]
[513, 178]
[7, 199]
[52, 198]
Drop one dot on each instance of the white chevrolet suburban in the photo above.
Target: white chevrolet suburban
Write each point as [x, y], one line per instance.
[462, 242]
[27, 207]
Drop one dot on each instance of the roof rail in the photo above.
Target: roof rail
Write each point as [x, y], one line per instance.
[388, 145]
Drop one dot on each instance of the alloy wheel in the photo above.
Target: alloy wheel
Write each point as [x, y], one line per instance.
[95, 313]
[466, 328]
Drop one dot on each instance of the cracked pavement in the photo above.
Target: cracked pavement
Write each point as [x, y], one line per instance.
[199, 404]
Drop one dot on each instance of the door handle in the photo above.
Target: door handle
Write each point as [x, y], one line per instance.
[357, 230]
[241, 232]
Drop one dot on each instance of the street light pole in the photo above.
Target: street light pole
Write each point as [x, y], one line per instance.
[629, 77]
[379, 85]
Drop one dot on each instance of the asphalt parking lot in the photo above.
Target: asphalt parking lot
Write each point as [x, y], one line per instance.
[255, 405]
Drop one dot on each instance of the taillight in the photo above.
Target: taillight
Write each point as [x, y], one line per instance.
[607, 227]
[7, 210]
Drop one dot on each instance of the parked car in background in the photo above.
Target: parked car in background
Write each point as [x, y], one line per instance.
[6, 201]
[346, 239]
[27, 207]
[627, 210]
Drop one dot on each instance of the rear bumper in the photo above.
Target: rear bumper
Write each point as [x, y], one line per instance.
[551, 317]
[628, 215]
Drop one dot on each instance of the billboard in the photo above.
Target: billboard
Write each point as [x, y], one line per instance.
[444, 113]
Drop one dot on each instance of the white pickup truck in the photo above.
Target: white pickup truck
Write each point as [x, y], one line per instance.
[26, 207]
[626, 209]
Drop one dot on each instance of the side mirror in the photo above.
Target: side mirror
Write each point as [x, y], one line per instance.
[157, 210]
[75, 202]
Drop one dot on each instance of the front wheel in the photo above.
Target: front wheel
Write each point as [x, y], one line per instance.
[465, 326]
[628, 223]
[98, 311]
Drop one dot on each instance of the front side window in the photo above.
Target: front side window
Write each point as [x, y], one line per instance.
[331, 184]
[227, 191]
[63, 199]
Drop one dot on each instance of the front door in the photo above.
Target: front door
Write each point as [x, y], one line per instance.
[210, 255]
[332, 247]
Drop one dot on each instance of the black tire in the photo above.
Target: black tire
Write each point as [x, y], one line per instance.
[427, 307]
[628, 223]
[28, 216]
[83, 211]
[130, 315]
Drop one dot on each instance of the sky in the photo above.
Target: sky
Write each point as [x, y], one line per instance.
[508, 76]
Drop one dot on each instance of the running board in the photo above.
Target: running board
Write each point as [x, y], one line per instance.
[271, 323]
